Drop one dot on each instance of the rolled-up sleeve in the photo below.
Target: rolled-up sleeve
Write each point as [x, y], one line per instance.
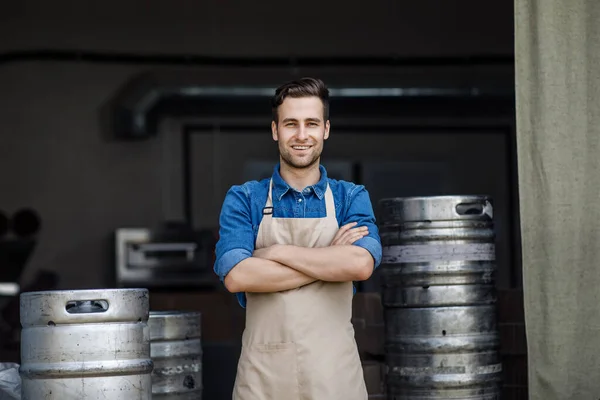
[360, 210]
[236, 235]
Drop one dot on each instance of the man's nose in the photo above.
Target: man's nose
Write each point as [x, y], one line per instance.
[302, 133]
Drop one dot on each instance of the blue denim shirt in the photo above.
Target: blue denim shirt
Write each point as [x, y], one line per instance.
[242, 213]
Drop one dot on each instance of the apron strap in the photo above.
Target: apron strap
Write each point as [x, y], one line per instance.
[329, 203]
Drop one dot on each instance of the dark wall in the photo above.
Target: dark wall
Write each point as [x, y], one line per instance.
[269, 27]
[54, 155]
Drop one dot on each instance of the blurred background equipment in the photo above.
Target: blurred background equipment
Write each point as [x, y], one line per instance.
[438, 287]
[369, 333]
[4, 224]
[25, 223]
[174, 255]
[18, 240]
[19, 234]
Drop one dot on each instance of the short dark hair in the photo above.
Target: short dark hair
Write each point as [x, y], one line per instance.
[304, 87]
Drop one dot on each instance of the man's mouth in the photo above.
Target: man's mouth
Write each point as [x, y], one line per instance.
[301, 147]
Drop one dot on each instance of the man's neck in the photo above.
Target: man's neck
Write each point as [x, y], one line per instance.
[299, 178]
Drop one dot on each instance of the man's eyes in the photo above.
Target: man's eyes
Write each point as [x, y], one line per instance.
[309, 124]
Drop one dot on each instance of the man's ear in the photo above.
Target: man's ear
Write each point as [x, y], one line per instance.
[274, 130]
[327, 126]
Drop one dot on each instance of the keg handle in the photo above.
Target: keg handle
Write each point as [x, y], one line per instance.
[472, 208]
[86, 306]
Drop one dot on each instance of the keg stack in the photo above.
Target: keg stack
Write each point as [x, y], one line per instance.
[85, 344]
[106, 344]
[439, 297]
[176, 350]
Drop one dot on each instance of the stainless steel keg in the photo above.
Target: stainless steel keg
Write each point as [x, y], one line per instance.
[85, 344]
[438, 276]
[176, 350]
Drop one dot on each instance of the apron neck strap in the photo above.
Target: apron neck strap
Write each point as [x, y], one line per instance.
[329, 203]
[270, 196]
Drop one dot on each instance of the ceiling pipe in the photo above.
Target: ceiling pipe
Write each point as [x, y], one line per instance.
[133, 110]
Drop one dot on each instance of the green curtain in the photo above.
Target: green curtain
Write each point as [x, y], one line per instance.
[557, 52]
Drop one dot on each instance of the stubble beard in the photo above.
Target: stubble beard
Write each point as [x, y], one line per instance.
[288, 159]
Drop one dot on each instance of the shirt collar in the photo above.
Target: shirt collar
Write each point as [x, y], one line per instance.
[280, 187]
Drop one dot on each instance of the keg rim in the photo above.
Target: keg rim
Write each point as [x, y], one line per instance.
[433, 198]
[168, 325]
[84, 291]
[174, 313]
[52, 306]
[436, 208]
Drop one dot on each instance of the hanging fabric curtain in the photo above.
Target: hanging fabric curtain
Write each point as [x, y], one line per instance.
[557, 50]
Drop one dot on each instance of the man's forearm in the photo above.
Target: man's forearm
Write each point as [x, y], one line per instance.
[334, 263]
[260, 275]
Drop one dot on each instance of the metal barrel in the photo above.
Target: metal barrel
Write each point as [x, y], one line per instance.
[439, 295]
[176, 350]
[85, 344]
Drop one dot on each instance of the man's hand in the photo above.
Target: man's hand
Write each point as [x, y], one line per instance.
[348, 235]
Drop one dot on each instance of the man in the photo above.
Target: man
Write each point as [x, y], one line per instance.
[290, 248]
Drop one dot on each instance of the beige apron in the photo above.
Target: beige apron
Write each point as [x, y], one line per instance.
[299, 343]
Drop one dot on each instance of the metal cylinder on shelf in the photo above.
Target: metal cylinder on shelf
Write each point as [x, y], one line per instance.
[176, 350]
[85, 344]
[438, 292]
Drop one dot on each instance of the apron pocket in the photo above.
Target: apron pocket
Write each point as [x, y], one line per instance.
[267, 371]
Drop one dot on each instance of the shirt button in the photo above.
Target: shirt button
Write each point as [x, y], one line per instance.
[306, 190]
[299, 200]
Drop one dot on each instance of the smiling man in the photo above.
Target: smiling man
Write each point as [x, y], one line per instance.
[290, 248]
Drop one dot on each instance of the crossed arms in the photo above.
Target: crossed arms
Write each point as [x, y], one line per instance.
[284, 267]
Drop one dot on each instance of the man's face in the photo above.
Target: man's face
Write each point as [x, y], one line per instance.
[300, 131]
